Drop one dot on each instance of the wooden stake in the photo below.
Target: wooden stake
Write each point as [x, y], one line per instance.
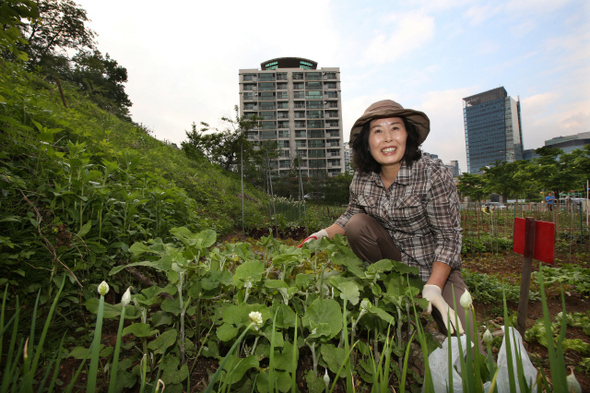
[525, 279]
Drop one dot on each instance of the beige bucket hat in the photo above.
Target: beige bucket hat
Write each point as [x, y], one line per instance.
[389, 108]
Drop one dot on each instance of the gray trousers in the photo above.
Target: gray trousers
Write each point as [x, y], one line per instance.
[371, 242]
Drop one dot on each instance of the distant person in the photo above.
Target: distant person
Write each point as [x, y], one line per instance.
[404, 206]
[550, 201]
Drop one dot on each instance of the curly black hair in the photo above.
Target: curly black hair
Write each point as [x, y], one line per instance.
[363, 160]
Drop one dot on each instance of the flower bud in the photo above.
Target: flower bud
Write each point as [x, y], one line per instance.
[572, 383]
[326, 378]
[126, 299]
[103, 288]
[466, 300]
[487, 337]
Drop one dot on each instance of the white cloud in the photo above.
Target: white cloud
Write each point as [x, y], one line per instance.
[410, 32]
[477, 14]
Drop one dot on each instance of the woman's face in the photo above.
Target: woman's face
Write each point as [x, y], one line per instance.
[387, 141]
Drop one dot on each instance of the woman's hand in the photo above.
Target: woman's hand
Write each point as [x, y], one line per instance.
[314, 236]
[433, 293]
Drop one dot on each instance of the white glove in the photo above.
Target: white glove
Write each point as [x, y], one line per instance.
[314, 236]
[433, 294]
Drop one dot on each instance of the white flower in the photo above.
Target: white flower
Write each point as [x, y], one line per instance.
[326, 378]
[256, 319]
[103, 288]
[487, 337]
[126, 299]
[572, 383]
[466, 300]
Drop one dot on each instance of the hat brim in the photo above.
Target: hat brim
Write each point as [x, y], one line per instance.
[419, 119]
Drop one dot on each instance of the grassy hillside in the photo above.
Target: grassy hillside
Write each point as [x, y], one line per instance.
[78, 186]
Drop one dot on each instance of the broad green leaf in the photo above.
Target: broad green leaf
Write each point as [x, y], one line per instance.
[171, 375]
[79, 353]
[314, 384]
[110, 310]
[282, 381]
[227, 332]
[382, 314]
[275, 284]
[349, 290]
[236, 367]
[284, 357]
[163, 341]
[85, 229]
[171, 305]
[285, 316]
[163, 264]
[324, 311]
[333, 356]
[303, 280]
[139, 330]
[249, 272]
[139, 248]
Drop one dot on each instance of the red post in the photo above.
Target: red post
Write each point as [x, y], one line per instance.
[525, 279]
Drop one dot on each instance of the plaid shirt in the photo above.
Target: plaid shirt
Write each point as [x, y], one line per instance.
[420, 210]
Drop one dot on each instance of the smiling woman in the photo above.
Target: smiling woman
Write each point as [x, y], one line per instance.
[404, 206]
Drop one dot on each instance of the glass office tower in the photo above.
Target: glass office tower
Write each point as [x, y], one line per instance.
[301, 110]
[492, 129]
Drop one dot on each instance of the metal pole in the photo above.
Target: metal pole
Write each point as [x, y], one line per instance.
[242, 177]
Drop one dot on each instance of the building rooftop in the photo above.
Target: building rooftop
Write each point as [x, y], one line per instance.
[289, 62]
[486, 96]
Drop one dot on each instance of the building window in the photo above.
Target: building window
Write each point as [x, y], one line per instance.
[300, 115]
[266, 86]
[313, 76]
[284, 163]
[330, 85]
[267, 106]
[299, 123]
[302, 143]
[315, 114]
[268, 135]
[282, 95]
[266, 95]
[316, 143]
[249, 106]
[315, 105]
[330, 75]
[315, 124]
[298, 85]
[313, 85]
[282, 76]
[298, 75]
[317, 153]
[283, 115]
[269, 125]
[267, 76]
[282, 86]
[283, 144]
[283, 105]
[315, 134]
[283, 124]
[313, 95]
[284, 134]
[268, 116]
[301, 134]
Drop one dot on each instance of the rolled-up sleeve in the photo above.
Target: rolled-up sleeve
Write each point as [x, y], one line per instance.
[444, 216]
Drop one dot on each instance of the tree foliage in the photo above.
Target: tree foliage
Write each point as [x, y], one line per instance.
[225, 147]
[61, 26]
[102, 78]
[553, 170]
[12, 12]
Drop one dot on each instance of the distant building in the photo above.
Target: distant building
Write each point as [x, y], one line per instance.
[492, 129]
[454, 167]
[301, 110]
[569, 143]
[348, 158]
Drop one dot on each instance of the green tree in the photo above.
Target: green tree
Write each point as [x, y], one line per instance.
[102, 78]
[12, 13]
[61, 26]
[472, 185]
[225, 147]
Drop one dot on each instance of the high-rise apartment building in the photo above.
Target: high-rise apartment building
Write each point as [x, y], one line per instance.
[301, 110]
[493, 129]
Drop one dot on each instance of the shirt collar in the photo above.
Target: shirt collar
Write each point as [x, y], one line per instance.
[403, 176]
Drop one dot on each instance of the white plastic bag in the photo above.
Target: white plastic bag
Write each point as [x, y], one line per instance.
[438, 361]
[530, 372]
[439, 365]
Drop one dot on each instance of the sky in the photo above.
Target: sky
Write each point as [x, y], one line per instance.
[183, 58]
